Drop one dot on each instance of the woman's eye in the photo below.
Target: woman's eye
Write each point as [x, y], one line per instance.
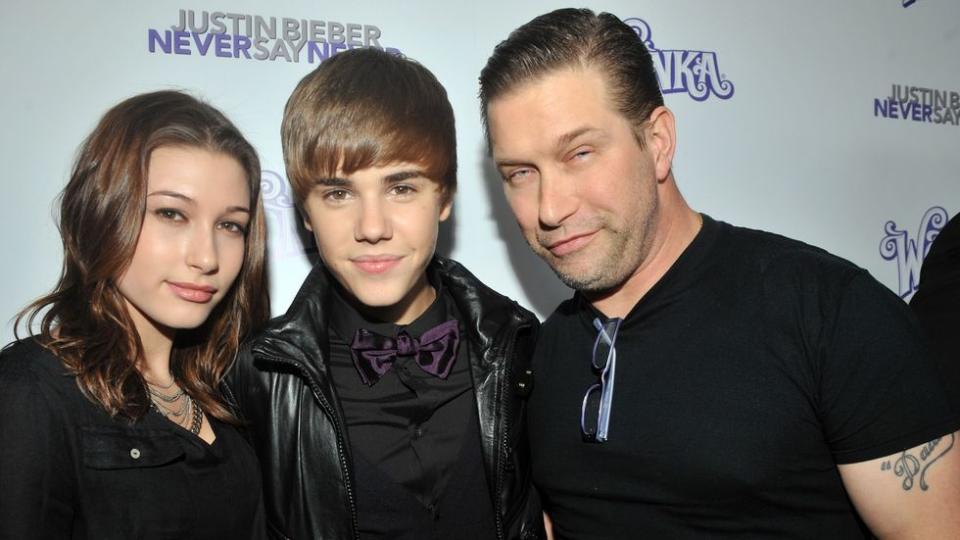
[233, 227]
[169, 213]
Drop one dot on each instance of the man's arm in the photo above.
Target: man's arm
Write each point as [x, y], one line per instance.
[910, 494]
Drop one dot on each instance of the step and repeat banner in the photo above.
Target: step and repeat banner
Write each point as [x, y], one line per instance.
[837, 123]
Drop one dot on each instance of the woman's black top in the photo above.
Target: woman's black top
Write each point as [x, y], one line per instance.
[69, 470]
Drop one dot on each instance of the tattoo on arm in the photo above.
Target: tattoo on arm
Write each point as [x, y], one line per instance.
[909, 466]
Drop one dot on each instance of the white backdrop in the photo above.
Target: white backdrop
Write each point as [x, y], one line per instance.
[805, 143]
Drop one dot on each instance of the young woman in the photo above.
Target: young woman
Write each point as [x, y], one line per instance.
[112, 420]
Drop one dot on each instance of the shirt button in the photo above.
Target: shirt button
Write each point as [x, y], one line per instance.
[417, 433]
[135, 453]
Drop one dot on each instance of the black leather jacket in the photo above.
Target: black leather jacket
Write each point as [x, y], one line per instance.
[281, 383]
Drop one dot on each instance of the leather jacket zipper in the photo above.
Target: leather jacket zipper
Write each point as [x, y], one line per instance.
[503, 431]
[325, 405]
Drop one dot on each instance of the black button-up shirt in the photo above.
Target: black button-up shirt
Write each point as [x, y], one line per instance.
[69, 470]
[410, 424]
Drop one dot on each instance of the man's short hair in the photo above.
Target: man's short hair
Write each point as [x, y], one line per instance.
[575, 38]
[367, 108]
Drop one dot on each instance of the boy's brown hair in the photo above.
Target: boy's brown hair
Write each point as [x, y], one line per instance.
[366, 108]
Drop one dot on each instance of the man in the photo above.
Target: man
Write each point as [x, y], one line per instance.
[388, 401]
[937, 300]
[705, 380]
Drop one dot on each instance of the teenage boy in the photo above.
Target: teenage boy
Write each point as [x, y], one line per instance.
[389, 400]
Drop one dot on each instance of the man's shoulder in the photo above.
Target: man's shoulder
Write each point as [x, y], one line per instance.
[775, 255]
[565, 315]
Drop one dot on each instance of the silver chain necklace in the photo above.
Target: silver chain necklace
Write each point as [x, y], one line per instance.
[163, 404]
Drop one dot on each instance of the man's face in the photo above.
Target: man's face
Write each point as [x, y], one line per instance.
[583, 190]
[376, 231]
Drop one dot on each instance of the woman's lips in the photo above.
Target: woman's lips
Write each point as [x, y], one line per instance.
[192, 292]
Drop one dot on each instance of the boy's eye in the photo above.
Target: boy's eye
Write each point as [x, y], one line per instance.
[336, 194]
[402, 189]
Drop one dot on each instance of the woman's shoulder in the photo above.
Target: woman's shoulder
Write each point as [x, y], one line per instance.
[27, 362]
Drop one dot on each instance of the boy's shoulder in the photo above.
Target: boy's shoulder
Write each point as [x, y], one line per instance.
[472, 294]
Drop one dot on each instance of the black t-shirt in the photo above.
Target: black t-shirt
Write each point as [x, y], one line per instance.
[743, 377]
[937, 301]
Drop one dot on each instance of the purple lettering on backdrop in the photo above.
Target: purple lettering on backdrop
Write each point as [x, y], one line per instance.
[181, 42]
[696, 73]
[154, 39]
[317, 50]
[907, 252]
[880, 107]
[213, 33]
[202, 44]
[893, 109]
[223, 46]
[241, 44]
[927, 111]
[905, 107]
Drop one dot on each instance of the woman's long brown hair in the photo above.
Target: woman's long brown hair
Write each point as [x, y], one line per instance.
[86, 323]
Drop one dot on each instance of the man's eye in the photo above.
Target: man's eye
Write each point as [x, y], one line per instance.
[580, 154]
[518, 175]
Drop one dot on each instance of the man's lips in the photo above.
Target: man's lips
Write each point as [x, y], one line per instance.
[568, 245]
[192, 292]
[375, 264]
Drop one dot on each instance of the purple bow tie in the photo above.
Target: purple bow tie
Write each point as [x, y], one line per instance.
[435, 351]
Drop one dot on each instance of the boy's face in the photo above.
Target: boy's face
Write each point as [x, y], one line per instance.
[376, 231]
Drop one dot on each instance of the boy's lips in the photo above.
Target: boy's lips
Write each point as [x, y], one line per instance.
[375, 264]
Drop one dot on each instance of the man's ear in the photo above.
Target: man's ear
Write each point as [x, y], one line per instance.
[661, 140]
